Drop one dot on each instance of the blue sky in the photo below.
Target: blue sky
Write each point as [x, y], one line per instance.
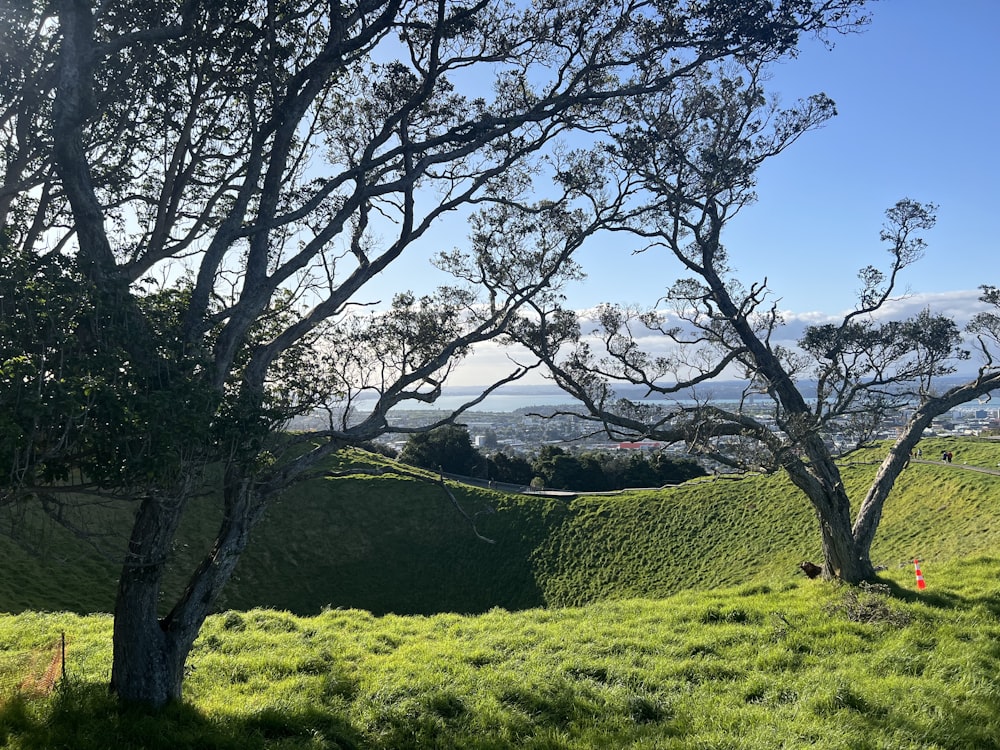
[918, 116]
[917, 97]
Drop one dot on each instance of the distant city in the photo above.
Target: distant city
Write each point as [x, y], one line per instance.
[522, 419]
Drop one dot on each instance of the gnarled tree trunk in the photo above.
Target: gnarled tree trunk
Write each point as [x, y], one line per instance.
[843, 557]
[150, 652]
[148, 662]
[820, 480]
[148, 659]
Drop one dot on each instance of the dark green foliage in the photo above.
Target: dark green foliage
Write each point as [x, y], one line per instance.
[510, 469]
[935, 339]
[597, 471]
[450, 449]
[560, 470]
[446, 448]
[79, 397]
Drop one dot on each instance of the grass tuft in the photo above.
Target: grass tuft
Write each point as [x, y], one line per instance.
[869, 603]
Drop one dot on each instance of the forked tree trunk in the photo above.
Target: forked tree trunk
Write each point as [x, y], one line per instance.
[147, 662]
[898, 458]
[820, 480]
[843, 557]
[870, 512]
[150, 652]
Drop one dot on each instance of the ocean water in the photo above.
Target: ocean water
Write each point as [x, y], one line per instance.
[495, 402]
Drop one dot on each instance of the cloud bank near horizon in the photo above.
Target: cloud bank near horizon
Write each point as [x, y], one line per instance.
[491, 361]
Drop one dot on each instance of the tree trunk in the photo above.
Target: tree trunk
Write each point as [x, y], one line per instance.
[149, 652]
[843, 557]
[147, 663]
[853, 559]
[870, 512]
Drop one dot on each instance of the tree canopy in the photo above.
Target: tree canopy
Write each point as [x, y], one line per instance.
[221, 182]
[598, 471]
[447, 448]
[674, 179]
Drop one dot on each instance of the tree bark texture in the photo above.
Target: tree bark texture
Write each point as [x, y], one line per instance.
[150, 652]
[148, 662]
[820, 480]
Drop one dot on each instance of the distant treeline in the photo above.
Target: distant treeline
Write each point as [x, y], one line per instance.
[450, 449]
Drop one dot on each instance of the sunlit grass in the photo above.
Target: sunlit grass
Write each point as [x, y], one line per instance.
[795, 664]
[672, 619]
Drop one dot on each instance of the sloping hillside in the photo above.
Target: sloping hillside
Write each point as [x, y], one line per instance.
[755, 667]
[395, 544]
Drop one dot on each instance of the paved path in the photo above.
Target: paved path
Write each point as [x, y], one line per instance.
[967, 467]
[525, 490]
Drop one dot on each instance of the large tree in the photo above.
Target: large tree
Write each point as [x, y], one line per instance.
[220, 182]
[675, 178]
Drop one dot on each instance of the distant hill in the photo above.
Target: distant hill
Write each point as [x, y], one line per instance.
[394, 544]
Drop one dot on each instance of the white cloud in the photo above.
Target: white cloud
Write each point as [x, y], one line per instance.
[959, 305]
[491, 361]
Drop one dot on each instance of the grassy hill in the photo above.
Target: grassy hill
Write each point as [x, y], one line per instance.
[392, 544]
[672, 620]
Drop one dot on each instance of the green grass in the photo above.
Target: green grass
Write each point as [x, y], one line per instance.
[390, 544]
[670, 619]
[792, 664]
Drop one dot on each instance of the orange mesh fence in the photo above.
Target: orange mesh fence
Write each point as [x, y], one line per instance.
[33, 673]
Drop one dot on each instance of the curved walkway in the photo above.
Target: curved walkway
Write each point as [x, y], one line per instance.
[546, 492]
[967, 467]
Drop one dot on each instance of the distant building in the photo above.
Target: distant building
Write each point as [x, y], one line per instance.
[642, 445]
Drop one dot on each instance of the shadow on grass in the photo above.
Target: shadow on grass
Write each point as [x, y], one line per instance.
[942, 599]
[84, 716]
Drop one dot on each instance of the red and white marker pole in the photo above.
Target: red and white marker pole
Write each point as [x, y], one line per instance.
[920, 576]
